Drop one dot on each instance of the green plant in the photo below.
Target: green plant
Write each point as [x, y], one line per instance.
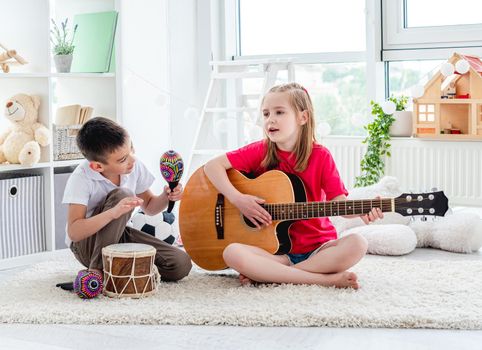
[59, 38]
[378, 142]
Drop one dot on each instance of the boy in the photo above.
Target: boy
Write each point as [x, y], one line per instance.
[103, 191]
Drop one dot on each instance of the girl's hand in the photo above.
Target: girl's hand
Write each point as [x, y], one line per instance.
[126, 205]
[250, 207]
[175, 194]
[373, 215]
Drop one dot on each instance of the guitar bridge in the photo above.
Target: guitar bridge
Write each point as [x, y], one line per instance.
[219, 216]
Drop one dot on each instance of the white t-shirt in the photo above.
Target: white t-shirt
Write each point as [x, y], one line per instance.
[88, 187]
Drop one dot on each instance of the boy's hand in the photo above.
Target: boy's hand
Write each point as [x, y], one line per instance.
[250, 207]
[126, 205]
[373, 215]
[175, 194]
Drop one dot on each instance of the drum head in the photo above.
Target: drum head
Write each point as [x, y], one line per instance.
[129, 248]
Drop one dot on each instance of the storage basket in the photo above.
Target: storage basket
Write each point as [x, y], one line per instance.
[65, 145]
[22, 215]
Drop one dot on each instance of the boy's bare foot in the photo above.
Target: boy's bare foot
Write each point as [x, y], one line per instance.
[341, 280]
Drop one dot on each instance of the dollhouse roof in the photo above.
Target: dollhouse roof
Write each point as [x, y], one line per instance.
[474, 62]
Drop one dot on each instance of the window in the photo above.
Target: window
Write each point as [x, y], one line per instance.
[403, 76]
[272, 27]
[327, 41]
[410, 24]
[338, 93]
[430, 13]
[426, 113]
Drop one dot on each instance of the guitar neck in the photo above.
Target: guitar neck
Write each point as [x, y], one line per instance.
[309, 210]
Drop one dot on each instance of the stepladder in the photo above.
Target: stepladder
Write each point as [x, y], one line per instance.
[230, 116]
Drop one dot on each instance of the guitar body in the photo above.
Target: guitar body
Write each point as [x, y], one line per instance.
[197, 216]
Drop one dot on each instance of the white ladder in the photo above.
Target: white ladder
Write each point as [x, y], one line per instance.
[234, 105]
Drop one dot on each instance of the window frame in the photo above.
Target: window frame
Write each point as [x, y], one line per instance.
[397, 37]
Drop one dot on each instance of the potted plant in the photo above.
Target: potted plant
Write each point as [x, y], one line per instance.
[402, 125]
[378, 140]
[63, 47]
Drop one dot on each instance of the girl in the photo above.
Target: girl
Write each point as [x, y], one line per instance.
[317, 256]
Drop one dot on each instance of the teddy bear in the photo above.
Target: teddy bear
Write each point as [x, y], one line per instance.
[21, 143]
[399, 235]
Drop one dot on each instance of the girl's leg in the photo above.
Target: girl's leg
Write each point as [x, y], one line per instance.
[336, 256]
[259, 265]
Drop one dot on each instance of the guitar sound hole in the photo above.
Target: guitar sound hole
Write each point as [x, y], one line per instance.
[249, 223]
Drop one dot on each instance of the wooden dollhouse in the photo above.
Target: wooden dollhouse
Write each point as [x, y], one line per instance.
[451, 106]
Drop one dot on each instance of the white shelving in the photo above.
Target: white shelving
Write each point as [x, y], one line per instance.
[29, 34]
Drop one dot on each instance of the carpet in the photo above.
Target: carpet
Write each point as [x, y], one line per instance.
[395, 293]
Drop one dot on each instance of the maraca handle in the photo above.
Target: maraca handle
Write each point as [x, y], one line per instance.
[172, 186]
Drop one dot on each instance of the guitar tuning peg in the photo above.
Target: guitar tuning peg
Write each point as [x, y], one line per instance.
[434, 189]
[423, 218]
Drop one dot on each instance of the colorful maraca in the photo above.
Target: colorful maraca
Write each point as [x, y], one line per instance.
[172, 167]
[88, 284]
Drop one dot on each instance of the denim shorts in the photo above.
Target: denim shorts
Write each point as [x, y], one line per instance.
[297, 258]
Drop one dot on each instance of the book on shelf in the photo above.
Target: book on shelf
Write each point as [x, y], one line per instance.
[73, 115]
[94, 42]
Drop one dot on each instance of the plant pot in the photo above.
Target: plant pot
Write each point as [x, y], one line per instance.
[402, 126]
[63, 63]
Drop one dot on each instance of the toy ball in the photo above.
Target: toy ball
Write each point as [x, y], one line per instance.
[88, 284]
[447, 69]
[172, 166]
[388, 107]
[462, 66]
[417, 91]
[154, 226]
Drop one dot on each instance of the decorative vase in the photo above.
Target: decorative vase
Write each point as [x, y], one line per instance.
[63, 63]
[402, 126]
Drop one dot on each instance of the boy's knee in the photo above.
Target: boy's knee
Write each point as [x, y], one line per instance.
[120, 193]
[180, 267]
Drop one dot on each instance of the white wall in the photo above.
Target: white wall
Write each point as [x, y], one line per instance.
[190, 53]
[165, 73]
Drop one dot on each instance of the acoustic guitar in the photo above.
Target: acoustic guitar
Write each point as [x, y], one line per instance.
[208, 222]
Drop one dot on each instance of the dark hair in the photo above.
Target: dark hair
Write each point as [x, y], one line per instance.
[99, 137]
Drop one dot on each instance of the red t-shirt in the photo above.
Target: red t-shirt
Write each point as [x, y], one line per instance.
[322, 183]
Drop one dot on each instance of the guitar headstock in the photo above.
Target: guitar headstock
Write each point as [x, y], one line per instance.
[431, 203]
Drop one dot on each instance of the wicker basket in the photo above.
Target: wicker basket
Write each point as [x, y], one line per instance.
[65, 145]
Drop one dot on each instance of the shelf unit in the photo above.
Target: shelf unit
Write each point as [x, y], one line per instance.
[29, 34]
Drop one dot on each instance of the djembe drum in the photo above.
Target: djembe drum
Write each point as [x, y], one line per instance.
[129, 270]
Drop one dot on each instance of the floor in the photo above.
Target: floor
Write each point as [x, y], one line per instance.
[39, 337]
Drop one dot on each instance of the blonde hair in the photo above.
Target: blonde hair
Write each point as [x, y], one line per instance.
[300, 101]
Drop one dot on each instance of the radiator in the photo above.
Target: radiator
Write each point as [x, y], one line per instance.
[419, 165]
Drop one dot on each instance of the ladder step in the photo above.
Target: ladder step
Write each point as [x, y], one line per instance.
[232, 109]
[239, 75]
[249, 62]
[209, 151]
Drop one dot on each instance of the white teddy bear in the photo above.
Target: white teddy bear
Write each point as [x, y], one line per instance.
[21, 143]
[398, 235]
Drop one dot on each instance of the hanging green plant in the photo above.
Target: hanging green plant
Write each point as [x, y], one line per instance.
[378, 141]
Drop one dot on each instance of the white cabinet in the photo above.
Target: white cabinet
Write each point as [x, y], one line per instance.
[25, 27]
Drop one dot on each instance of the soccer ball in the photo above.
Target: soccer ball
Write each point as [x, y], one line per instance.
[154, 226]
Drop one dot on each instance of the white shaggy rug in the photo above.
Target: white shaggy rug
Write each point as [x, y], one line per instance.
[395, 293]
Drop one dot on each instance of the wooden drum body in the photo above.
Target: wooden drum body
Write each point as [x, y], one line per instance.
[129, 270]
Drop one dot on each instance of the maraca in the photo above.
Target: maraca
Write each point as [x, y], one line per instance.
[172, 167]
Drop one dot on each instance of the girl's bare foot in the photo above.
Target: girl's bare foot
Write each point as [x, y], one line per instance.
[341, 280]
[245, 281]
